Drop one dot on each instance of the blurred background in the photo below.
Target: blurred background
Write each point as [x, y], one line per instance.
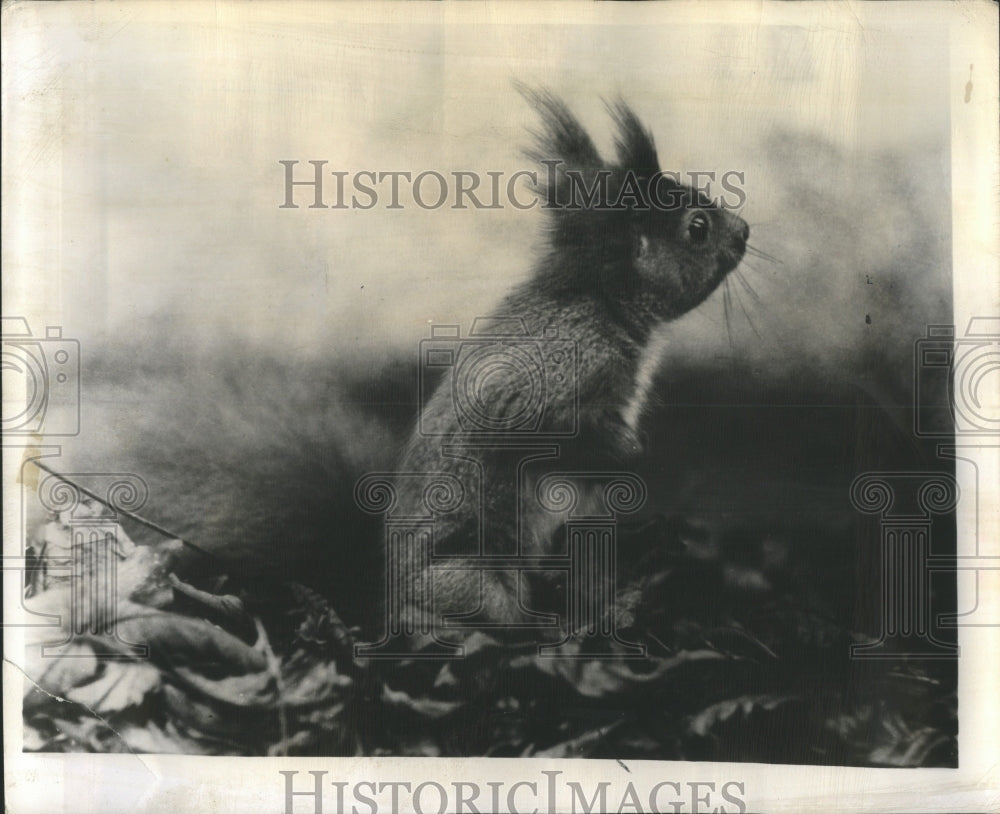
[144, 170]
[250, 361]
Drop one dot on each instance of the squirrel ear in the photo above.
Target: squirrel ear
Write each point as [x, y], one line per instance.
[562, 137]
[634, 143]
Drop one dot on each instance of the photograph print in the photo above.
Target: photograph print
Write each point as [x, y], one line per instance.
[389, 382]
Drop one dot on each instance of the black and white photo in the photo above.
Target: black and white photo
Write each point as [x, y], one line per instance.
[550, 407]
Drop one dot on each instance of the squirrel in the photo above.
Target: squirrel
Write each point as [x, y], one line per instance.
[629, 249]
[255, 457]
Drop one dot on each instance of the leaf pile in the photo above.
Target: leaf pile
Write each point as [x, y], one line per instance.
[742, 664]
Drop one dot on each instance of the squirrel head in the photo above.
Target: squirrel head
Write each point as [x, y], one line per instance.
[625, 230]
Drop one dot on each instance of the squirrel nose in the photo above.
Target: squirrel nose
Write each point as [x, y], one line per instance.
[745, 232]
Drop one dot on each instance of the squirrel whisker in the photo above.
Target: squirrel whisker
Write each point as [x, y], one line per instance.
[726, 310]
[749, 288]
[739, 301]
[763, 255]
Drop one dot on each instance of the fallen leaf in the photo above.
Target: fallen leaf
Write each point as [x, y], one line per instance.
[121, 686]
[425, 707]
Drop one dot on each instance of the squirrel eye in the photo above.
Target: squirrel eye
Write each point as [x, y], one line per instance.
[698, 227]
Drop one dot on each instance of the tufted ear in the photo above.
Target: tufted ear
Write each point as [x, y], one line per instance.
[581, 191]
[562, 137]
[634, 143]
